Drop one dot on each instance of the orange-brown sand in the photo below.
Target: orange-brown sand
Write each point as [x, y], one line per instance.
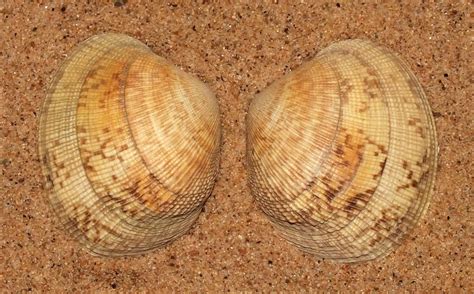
[237, 49]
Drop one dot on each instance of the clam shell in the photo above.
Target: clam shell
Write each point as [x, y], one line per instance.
[129, 146]
[342, 152]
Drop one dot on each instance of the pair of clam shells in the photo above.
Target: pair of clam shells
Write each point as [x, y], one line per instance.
[341, 152]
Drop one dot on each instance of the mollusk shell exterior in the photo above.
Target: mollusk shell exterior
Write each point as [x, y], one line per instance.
[129, 146]
[342, 152]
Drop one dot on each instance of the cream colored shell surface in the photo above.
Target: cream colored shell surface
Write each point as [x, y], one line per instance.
[129, 146]
[342, 152]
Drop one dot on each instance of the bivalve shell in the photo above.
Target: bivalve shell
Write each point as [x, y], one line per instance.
[129, 146]
[342, 152]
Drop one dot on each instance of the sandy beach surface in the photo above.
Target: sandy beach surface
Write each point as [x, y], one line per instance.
[237, 50]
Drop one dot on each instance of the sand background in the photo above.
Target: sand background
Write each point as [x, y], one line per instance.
[237, 50]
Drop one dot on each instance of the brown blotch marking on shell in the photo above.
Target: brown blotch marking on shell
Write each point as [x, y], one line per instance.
[81, 129]
[379, 174]
[406, 186]
[132, 211]
[346, 163]
[119, 201]
[413, 183]
[365, 107]
[414, 121]
[348, 139]
[405, 164]
[370, 70]
[111, 158]
[309, 213]
[105, 143]
[109, 198]
[105, 82]
[370, 91]
[345, 87]
[381, 147]
[108, 92]
[106, 129]
[99, 227]
[116, 76]
[59, 165]
[330, 193]
[98, 152]
[86, 158]
[95, 86]
[349, 156]
[135, 190]
[396, 233]
[371, 81]
[424, 176]
[417, 123]
[359, 155]
[352, 203]
[123, 147]
[93, 71]
[421, 132]
[375, 241]
[384, 222]
[423, 160]
[89, 168]
[370, 191]
[87, 221]
[348, 144]
[362, 198]
[340, 149]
